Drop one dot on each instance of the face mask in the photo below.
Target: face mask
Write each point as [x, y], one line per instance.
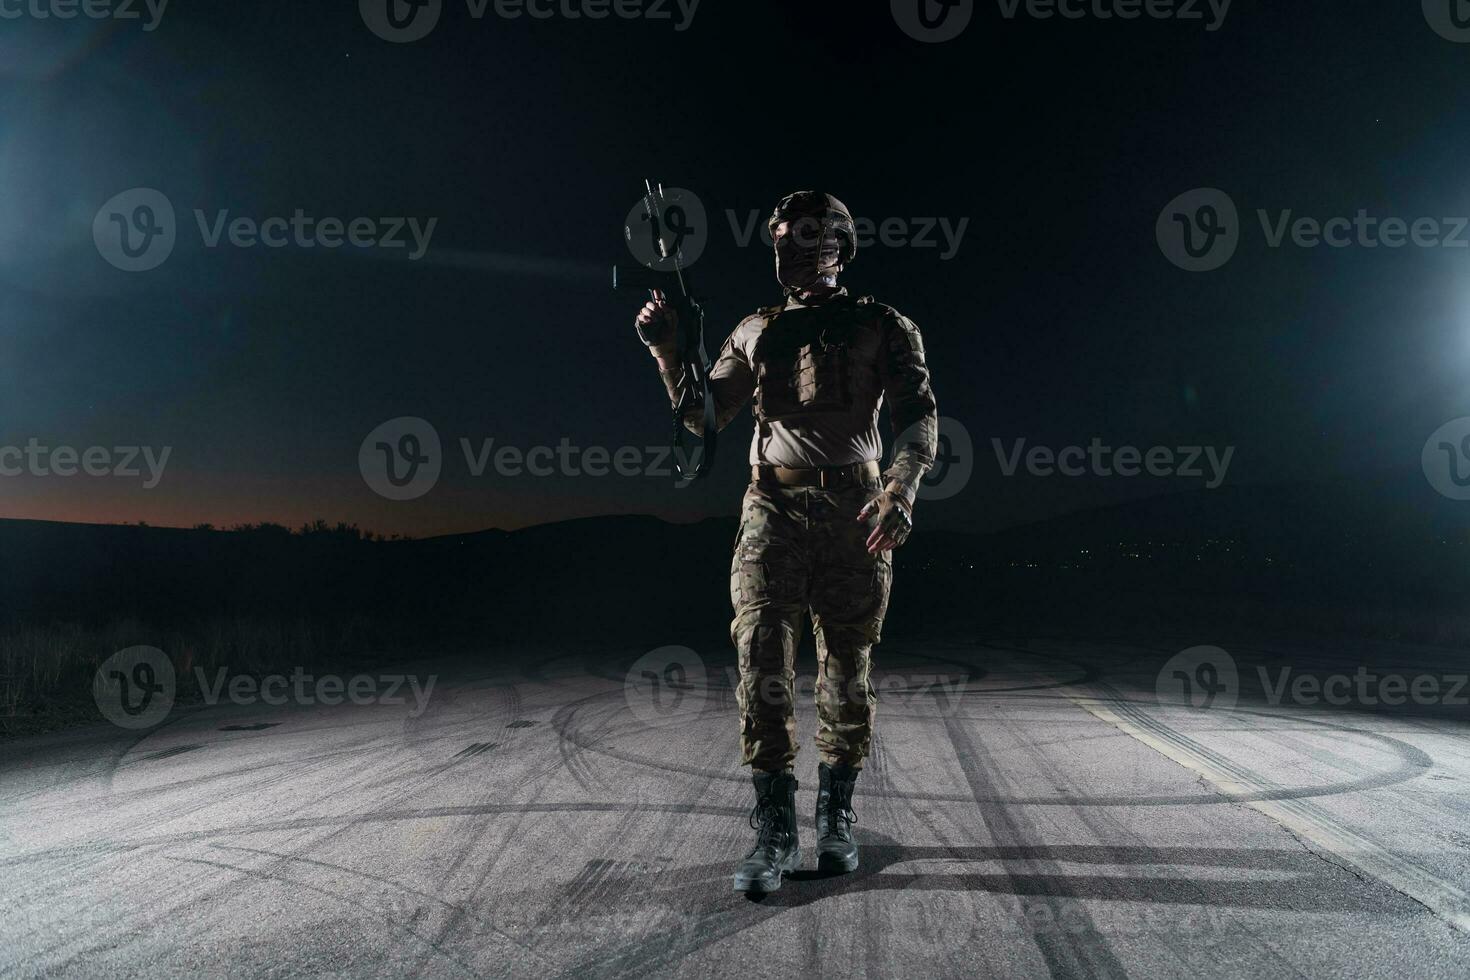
[808, 255]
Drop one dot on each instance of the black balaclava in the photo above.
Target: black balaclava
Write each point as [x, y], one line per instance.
[818, 242]
[809, 255]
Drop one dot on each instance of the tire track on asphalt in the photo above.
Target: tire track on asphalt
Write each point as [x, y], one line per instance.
[1413, 761]
[1313, 826]
[1106, 825]
[628, 818]
[642, 956]
[274, 877]
[912, 812]
[482, 827]
[423, 813]
[153, 910]
[1067, 953]
[293, 771]
[398, 888]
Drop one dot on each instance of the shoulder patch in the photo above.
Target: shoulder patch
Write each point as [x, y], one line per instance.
[762, 315]
[896, 326]
[879, 314]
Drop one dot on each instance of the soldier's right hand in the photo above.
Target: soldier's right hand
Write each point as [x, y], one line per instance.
[895, 521]
[657, 321]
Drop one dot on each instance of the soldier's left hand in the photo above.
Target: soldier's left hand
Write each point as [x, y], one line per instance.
[895, 522]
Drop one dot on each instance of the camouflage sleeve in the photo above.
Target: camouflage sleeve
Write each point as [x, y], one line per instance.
[731, 384]
[911, 407]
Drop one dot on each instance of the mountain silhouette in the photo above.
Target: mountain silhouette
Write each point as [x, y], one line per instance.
[1387, 541]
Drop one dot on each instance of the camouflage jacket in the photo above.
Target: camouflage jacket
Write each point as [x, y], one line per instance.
[817, 375]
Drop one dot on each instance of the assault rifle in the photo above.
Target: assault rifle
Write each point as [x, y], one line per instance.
[666, 275]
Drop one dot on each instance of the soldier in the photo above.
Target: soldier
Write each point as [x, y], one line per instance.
[818, 522]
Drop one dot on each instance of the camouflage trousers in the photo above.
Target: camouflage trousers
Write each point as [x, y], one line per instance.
[800, 550]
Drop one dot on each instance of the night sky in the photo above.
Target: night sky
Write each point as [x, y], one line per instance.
[1057, 320]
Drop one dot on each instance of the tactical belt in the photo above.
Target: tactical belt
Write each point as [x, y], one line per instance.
[826, 477]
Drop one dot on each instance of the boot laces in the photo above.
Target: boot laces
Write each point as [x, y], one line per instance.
[839, 807]
[765, 820]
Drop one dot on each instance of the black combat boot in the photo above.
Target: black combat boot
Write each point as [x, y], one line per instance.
[835, 848]
[777, 849]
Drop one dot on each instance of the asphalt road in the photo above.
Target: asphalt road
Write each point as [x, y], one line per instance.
[1032, 808]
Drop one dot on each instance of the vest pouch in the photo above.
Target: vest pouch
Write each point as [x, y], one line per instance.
[815, 377]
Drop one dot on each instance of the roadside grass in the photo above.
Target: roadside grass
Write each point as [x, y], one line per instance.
[47, 670]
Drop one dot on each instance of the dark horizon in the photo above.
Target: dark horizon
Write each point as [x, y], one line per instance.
[1403, 487]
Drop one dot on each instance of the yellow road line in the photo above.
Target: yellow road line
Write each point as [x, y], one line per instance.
[1306, 820]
